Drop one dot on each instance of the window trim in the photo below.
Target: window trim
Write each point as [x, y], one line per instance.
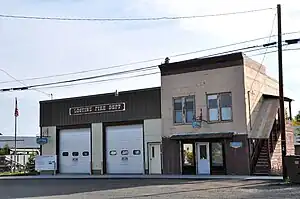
[184, 122]
[219, 108]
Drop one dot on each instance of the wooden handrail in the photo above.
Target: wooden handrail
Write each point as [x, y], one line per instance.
[255, 154]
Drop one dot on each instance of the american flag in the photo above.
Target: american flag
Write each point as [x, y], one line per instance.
[16, 109]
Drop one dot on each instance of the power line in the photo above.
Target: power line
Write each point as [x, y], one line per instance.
[92, 77]
[274, 51]
[104, 75]
[80, 79]
[104, 80]
[264, 46]
[23, 83]
[130, 19]
[134, 76]
[147, 61]
[262, 61]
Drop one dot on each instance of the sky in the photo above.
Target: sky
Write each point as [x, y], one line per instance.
[37, 48]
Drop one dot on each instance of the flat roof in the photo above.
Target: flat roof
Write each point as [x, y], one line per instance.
[200, 64]
[102, 94]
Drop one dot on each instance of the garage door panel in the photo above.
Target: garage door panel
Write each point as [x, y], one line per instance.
[75, 154]
[124, 149]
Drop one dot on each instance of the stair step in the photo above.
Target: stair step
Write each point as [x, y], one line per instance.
[261, 174]
[262, 162]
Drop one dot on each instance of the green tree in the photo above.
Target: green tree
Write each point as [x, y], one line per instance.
[30, 165]
[296, 120]
[190, 157]
[5, 150]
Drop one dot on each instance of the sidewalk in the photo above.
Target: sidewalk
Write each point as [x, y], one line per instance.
[187, 177]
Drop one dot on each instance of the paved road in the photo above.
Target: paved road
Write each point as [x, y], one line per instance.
[146, 188]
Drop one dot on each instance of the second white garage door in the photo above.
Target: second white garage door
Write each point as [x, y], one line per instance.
[124, 149]
[75, 151]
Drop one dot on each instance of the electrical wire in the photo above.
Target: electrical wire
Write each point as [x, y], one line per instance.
[146, 61]
[23, 83]
[110, 74]
[262, 61]
[130, 19]
[99, 76]
[93, 77]
[264, 46]
[104, 80]
[140, 75]
[274, 51]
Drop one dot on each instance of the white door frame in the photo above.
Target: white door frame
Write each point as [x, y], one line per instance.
[197, 156]
[149, 155]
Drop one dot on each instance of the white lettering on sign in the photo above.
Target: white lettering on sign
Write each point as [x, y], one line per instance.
[97, 108]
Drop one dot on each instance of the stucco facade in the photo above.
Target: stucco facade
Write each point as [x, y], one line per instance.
[199, 83]
[248, 86]
[257, 83]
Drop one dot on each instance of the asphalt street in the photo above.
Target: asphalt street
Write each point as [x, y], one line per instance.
[144, 188]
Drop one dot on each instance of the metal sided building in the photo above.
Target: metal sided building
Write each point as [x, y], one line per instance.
[104, 134]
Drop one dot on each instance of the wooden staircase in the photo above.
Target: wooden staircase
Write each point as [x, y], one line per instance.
[262, 153]
[262, 166]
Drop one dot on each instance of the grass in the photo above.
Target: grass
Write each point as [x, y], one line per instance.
[18, 174]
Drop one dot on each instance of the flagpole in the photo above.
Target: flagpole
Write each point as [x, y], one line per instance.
[15, 155]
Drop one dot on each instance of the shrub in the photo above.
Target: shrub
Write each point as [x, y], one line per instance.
[30, 165]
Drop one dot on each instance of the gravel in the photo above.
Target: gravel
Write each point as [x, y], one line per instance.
[145, 188]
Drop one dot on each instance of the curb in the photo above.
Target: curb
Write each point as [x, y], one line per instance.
[162, 177]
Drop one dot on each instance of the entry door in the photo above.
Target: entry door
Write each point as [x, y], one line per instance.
[203, 161]
[154, 158]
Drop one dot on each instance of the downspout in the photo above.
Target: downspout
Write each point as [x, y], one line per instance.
[249, 109]
[250, 149]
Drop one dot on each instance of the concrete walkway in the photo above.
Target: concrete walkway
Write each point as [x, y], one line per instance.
[187, 177]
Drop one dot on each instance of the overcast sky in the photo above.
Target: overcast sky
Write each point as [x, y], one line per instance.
[35, 48]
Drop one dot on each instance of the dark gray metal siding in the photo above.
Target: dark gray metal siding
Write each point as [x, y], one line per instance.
[140, 105]
[171, 156]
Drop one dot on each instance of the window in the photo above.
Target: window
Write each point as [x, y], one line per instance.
[203, 152]
[136, 152]
[65, 153]
[188, 155]
[113, 152]
[184, 109]
[219, 107]
[124, 152]
[75, 154]
[153, 151]
[85, 153]
[217, 154]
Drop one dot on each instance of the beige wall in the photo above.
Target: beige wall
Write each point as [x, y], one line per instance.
[152, 133]
[97, 148]
[257, 82]
[198, 83]
[50, 147]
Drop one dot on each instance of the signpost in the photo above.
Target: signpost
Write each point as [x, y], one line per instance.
[46, 163]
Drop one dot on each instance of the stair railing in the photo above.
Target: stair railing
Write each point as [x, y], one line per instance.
[259, 143]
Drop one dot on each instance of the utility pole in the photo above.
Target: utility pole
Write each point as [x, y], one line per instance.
[281, 96]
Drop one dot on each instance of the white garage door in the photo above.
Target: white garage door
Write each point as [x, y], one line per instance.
[124, 149]
[74, 151]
